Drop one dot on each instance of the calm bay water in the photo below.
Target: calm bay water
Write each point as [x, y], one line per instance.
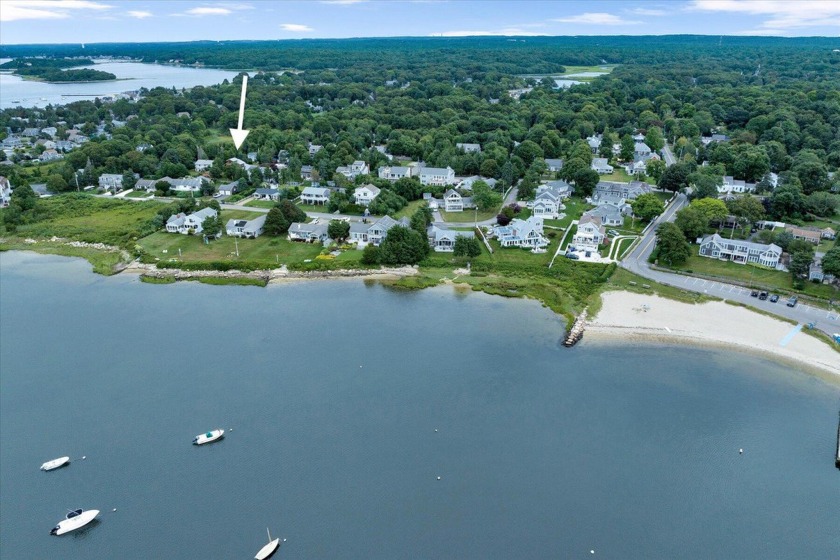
[15, 91]
[334, 391]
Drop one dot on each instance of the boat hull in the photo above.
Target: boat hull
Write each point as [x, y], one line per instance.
[55, 464]
[208, 437]
[268, 550]
[77, 522]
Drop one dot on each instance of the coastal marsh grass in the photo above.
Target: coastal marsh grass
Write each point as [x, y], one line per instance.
[232, 281]
[157, 279]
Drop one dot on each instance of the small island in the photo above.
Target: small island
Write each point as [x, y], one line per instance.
[56, 70]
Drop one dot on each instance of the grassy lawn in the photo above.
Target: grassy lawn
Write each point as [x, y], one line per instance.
[138, 194]
[321, 209]
[409, 209]
[619, 175]
[575, 207]
[468, 216]
[753, 276]
[569, 237]
[238, 215]
[272, 251]
[261, 203]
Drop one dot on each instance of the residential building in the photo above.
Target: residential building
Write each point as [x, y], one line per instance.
[314, 149]
[437, 176]
[267, 194]
[315, 195]
[814, 235]
[203, 164]
[50, 155]
[442, 239]
[594, 143]
[609, 215]
[732, 185]
[602, 166]
[433, 203]
[185, 184]
[469, 148]
[250, 229]
[554, 165]
[467, 183]
[192, 223]
[365, 233]
[828, 233]
[641, 149]
[306, 172]
[353, 170]
[394, 172]
[145, 185]
[590, 233]
[313, 232]
[365, 194]
[64, 145]
[521, 233]
[548, 201]
[244, 165]
[453, 201]
[50, 131]
[739, 251]
[229, 189]
[31, 132]
[111, 181]
[5, 192]
[623, 191]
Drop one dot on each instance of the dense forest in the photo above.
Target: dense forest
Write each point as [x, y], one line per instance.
[53, 69]
[778, 100]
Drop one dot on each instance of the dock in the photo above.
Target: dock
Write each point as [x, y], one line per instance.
[576, 332]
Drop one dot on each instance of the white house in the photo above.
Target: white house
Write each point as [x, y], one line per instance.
[549, 199]
[365, 194]
[182, 223]
[437, 176]
[306, 172]
[442, 240]
[590, 233]
[203, 164]
[250, 229]
[111, 181]
[453, 201]
[267, 194]
[608, 214]
[309, 233]
[469, 148]
[521, 233]
[739, 251]
[365, 233]
[467, 182]
[602, 166]
[733, 185]
[394, 172]
[315, 195]
[594, 143]
[554, 165]
[229, 189]
[354, 170]
[186, 184]
[5, 192]
[314, 149]
[50, 155]
[641, 149]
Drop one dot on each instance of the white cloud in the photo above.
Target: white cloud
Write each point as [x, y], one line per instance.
[139, 14]
[13, 10]
[296, 27]
[648, 12]
[782, 14]
[208, 11]
[596, 18]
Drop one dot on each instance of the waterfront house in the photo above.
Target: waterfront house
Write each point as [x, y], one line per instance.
[521, 233]
[315, 195]
[740, 251]
[590, 233]
[442, 239]
[364, 233]
[365, 194]
[313, 232]
[609, 215]
[814, 235]
[548, 201]
[174, 223]
[195, 220]
[250, 229]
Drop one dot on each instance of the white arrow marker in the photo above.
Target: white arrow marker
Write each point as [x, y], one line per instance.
[237, 133]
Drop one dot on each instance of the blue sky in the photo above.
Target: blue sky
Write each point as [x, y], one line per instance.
[90, 21]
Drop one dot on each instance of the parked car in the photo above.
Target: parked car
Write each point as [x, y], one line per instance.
[774, 298]
[614, 233]
[762, 296]
[792, 301]
[754, 293]
[572, 256]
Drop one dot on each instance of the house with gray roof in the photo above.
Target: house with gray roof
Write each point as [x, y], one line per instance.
[453, 201]
[590, 233]
[602, 166]
[467, 182]
[229, 189]
[313, 232]
[740, 251]
[203, 164]
[353, 170]
[442, 239]
[548, 201]
[365, 233]
[365, 194]
[594, 143]
[315, 195]
[439, 176]
[609, 215]
[189, 223]
[250, 229]
[111, 181]
[394, 172]
[306, 172]
[554, 165]
[641, 149]
[521, 233]
[266, 194]
[468, 148]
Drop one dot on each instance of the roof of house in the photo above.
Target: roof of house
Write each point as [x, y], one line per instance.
[761, 247]
[804, 231]
[436, 170]
[372, 188]
[316, 191]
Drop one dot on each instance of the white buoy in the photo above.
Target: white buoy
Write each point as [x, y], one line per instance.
[438, 478]
[115, 509]
[84, 457]
[591, 552]
[436, 429]
[740, 451]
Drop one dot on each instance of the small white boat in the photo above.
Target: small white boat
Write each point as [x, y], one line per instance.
[268, 550]
[76, 519]
[55, 464]
[208, 437]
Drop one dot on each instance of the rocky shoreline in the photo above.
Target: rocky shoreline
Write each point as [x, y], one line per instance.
[276, 275]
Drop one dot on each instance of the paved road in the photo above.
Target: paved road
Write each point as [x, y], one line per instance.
[636, 262]
[669, 156]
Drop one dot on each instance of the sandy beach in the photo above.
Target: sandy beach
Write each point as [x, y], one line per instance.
[628, 316]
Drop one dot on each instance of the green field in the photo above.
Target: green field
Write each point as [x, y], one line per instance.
[261, 203]
[754, 277]
[468, 216]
